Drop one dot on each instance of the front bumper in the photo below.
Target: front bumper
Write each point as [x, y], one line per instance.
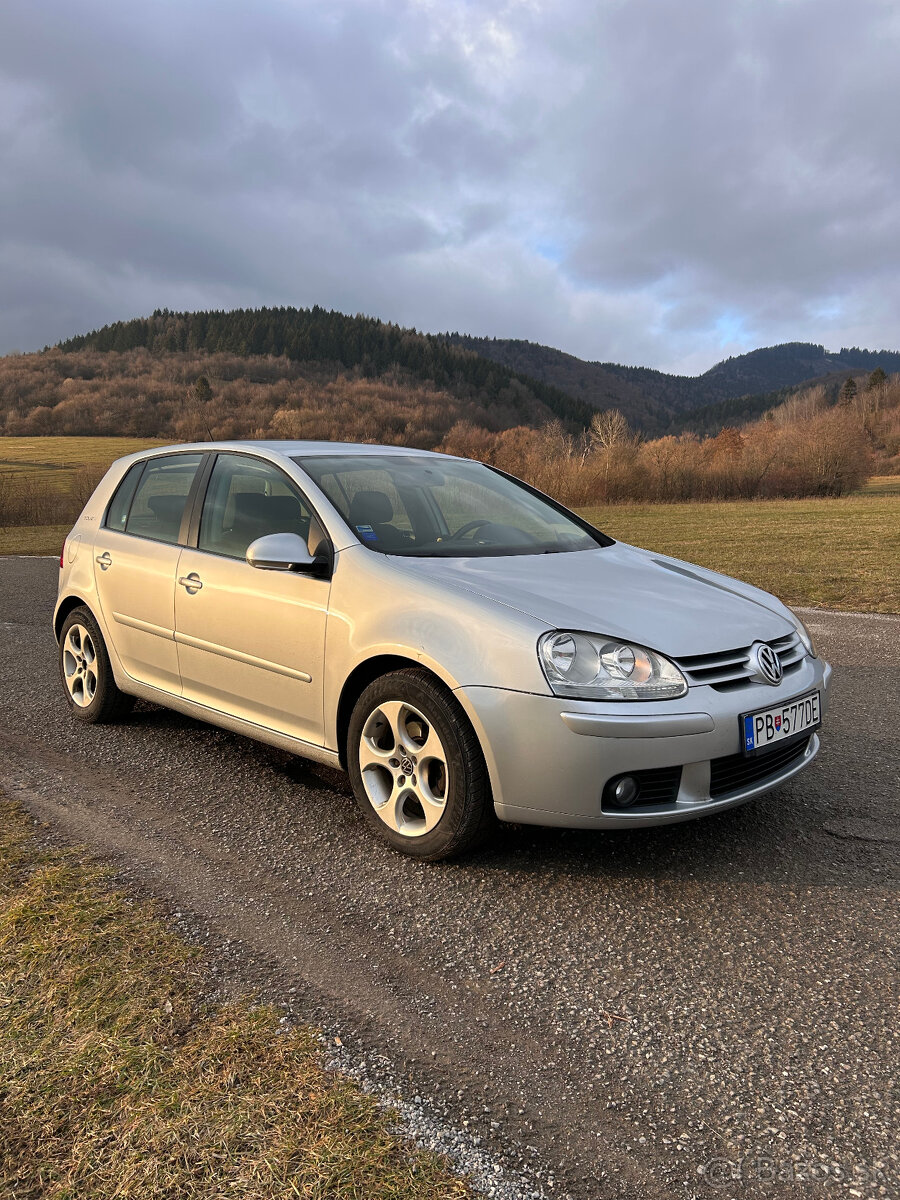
[549, 758]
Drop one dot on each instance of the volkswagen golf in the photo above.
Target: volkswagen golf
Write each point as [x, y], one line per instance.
[466, 648]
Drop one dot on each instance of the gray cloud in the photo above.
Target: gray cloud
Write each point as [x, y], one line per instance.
[653, 182]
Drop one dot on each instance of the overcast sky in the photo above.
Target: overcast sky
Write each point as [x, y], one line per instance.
[657, 182]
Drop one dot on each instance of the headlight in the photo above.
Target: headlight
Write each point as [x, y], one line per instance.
[588, 666]
[804, 635]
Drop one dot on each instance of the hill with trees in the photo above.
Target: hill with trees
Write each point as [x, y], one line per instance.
[363, 345]
[655, 402]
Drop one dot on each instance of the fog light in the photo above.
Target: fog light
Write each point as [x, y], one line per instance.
[623, 791]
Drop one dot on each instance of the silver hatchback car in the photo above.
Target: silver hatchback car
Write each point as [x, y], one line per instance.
[465, 647]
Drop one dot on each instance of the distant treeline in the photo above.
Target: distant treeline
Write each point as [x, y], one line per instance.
[711, 418]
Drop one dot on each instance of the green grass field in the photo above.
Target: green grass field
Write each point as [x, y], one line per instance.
[841, 554]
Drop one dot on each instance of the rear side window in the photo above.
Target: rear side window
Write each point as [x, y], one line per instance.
[117, 513]
[158, 504]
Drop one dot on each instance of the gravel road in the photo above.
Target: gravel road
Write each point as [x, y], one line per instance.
[752, 955]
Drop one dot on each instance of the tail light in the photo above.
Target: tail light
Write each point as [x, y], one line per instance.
[62, 556]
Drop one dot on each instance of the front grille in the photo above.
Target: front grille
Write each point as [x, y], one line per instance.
[657, 785]
[727, 670]
[734, 773]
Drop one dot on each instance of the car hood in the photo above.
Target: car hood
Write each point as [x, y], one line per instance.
[634, 594]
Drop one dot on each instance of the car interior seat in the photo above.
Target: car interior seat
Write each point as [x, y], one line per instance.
[375, 509]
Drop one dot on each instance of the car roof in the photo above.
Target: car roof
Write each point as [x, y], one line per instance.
[308, 449]
[296, 449]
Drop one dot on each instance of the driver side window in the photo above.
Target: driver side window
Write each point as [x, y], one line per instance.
[245, 500]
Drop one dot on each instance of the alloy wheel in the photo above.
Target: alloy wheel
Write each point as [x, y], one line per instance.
[80, 668]
[403, 766]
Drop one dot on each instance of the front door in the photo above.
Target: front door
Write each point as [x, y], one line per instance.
[251, 642]
[136, 555]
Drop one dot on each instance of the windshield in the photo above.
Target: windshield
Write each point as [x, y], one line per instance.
[444, 508]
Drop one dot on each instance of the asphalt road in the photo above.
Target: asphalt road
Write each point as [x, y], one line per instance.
[753, 955]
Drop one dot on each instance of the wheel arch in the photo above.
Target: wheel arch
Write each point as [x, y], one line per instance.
[65, 607]
[359, 679]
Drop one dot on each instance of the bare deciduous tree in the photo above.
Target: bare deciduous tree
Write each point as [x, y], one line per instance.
[608, 432]
[608, 429]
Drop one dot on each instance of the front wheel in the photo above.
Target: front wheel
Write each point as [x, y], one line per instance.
[86, 673]
[416, 767]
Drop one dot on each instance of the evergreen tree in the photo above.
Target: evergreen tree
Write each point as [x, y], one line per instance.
[201, 391]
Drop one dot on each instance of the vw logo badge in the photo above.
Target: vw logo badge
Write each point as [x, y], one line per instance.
[767, 663]
[406, 765]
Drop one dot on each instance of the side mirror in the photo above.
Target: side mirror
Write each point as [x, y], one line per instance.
[281, 552]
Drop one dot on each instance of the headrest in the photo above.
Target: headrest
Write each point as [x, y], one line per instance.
[284, 509]
[251, 504]
[166, 507]
[370, 508]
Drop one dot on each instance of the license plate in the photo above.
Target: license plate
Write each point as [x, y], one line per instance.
[769, 727]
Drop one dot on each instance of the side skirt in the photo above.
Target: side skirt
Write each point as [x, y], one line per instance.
[212, 716]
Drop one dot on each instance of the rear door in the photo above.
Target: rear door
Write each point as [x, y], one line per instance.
[251, 643]
[136, 554]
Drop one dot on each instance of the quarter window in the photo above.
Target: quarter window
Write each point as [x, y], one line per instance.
[117, 513]
[158, 504]
[247, 499]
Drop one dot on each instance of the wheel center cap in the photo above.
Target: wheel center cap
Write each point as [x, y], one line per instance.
[407, 766]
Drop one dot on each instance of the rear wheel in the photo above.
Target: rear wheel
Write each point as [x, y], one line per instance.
[85, 670]
[417, 768]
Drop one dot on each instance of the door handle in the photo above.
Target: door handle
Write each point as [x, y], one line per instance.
[104, 560]
[191, 583]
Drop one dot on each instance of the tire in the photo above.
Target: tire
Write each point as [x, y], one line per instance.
[84, 668]
[417, 769]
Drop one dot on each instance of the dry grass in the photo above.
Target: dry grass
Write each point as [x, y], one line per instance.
[56, 458]
[881, 485]
[116, 1081]
[840, 554]
[33, 539]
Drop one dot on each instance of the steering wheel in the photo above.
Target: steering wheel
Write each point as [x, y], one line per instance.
[469, 527]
